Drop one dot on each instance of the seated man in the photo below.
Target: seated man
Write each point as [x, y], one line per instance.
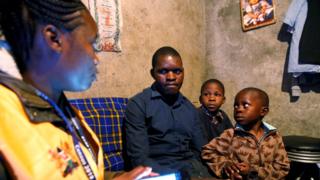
[162, 127]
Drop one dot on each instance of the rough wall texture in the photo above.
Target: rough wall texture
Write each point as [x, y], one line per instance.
[208, 35]
[147, 26]
[256, 58]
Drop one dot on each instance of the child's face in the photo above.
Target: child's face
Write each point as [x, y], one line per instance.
[212, 97]
[248, 108]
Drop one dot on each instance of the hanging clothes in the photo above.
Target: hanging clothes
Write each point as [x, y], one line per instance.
[309, 49]
[295, 18]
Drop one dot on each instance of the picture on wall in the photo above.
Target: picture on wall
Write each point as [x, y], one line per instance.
[107, 14]
[257, 13]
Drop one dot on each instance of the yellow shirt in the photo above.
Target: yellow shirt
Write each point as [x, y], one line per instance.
[40, 150]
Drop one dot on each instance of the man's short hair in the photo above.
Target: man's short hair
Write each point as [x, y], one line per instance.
[166, 50]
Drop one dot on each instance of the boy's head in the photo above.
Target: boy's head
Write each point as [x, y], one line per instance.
[250, 106]
[167, 71]
[212, 95]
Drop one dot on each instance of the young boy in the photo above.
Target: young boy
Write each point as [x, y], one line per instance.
[213, 120]
[253, 149]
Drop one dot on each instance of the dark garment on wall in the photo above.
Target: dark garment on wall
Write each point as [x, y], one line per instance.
[213, 125]
[309, 48]
[166, 137]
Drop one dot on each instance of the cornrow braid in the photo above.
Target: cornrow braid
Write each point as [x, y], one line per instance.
[62, 13]
[19, 19]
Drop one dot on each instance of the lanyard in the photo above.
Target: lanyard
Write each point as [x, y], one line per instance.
[80, 133]
[76, 142]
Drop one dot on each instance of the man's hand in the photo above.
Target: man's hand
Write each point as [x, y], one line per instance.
[137, 173]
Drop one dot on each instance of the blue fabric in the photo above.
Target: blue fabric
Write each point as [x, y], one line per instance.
[295, 17]
[105, 117]
[4, 44]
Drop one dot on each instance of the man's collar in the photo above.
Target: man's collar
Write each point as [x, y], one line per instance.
[156, 94]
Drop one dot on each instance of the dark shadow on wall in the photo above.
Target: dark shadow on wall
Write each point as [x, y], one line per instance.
[305, 83]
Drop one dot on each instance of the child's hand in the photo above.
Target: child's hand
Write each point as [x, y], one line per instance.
[232, 171]
[243, 167]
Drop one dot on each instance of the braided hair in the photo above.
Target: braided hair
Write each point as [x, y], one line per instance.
[19, 20]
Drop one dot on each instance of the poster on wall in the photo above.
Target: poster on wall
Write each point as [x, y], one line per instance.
[107, 14]
[257, 13]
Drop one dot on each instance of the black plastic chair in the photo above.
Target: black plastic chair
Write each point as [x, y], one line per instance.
[304, 154]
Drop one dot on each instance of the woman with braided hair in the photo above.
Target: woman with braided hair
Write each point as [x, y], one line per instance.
[41, 135]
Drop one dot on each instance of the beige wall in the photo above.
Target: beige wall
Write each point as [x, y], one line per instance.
[147, 26]
[208, 35]
[257, 58]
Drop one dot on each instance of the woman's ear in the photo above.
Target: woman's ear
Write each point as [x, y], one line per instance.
[53, 37]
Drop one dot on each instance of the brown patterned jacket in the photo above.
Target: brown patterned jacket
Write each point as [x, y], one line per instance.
[266, 156]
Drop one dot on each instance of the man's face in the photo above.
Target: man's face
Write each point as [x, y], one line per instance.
[168, 74]
[248, 108]
[77, 65]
